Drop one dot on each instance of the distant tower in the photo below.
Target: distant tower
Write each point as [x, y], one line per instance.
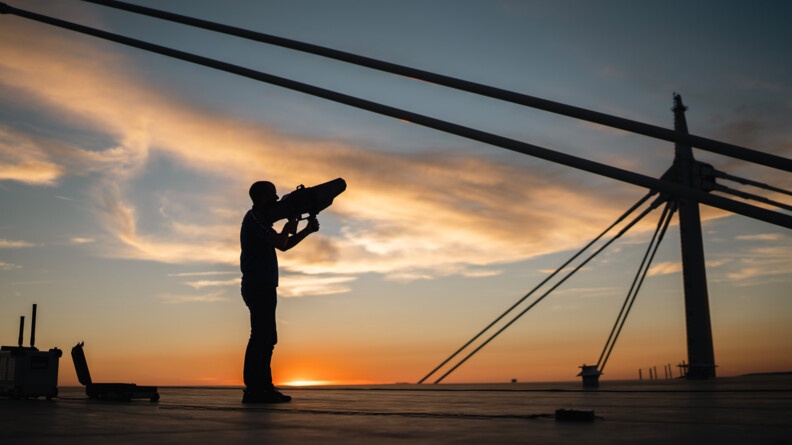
[701, 356]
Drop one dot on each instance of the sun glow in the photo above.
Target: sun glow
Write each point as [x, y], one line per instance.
[308, 383]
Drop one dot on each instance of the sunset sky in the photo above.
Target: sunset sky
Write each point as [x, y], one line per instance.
[124, 178]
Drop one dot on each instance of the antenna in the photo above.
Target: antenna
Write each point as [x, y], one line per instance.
[21, 328]
[32, 329]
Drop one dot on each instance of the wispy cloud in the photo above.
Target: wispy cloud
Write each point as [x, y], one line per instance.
[304, 285]
[14, 244]
[760, 237]
[671, 267]
[189, 298]
[212, 283]
[23, 160]
[9, 266]
[665, 268]
[202, 274]
[764, 262]
[589, 292]
[771, 257]
[82, 240]
[482, 273]
[39, 173]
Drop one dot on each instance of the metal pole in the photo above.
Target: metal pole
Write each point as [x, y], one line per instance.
[33, 327]
[701, 354]
[21, 330]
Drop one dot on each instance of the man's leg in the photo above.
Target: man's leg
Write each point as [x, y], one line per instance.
[262, 302]
[257, 374]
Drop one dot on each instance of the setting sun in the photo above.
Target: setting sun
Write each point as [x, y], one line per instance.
[308, 383]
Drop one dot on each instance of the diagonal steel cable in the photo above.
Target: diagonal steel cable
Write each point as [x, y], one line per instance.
[624, 230]
[624, 311]
[538, 286]
[751, 196]
[745, 181]
[665, 220]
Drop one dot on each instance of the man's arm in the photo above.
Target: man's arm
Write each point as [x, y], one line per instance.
[286, 240]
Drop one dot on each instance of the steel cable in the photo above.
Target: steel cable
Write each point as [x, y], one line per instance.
[643, 269]
[722, 148]
[651, 207]
[548, 278]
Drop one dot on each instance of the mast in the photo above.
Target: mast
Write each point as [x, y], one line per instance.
[701, 356]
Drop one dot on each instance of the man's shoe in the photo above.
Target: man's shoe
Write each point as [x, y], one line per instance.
[269, 396]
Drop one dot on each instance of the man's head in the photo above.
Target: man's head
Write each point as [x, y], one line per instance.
[263, 193]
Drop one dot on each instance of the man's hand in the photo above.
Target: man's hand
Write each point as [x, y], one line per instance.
[313, 225]
[290, 227]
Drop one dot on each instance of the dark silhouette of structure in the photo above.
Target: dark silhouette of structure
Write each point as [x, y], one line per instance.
[686, 172]
[27, 372]
[689, 173]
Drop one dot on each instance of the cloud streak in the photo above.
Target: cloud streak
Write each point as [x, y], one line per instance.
[22, 160]
[304, 285]
[764, 262]
[190, 298]
[13, 244]
[9, 266]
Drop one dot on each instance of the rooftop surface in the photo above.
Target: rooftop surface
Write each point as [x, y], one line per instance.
[736, 410]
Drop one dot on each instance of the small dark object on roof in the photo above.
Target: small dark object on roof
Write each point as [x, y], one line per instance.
[108, 391]
[574, 415]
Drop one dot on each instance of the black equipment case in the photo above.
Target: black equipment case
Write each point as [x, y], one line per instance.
[108, 391]
[27, 372]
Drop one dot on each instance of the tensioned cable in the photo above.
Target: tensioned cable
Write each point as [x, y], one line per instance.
[426, 121]
[640, 274]
[624, 230]
[632, 126]
[646, 270]
[632, 286]
[548, 278]
[745, 181]
[751, 196]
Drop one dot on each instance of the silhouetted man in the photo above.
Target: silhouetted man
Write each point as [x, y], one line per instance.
[259, 264]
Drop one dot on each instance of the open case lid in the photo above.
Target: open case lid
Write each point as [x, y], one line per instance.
[80, 364]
